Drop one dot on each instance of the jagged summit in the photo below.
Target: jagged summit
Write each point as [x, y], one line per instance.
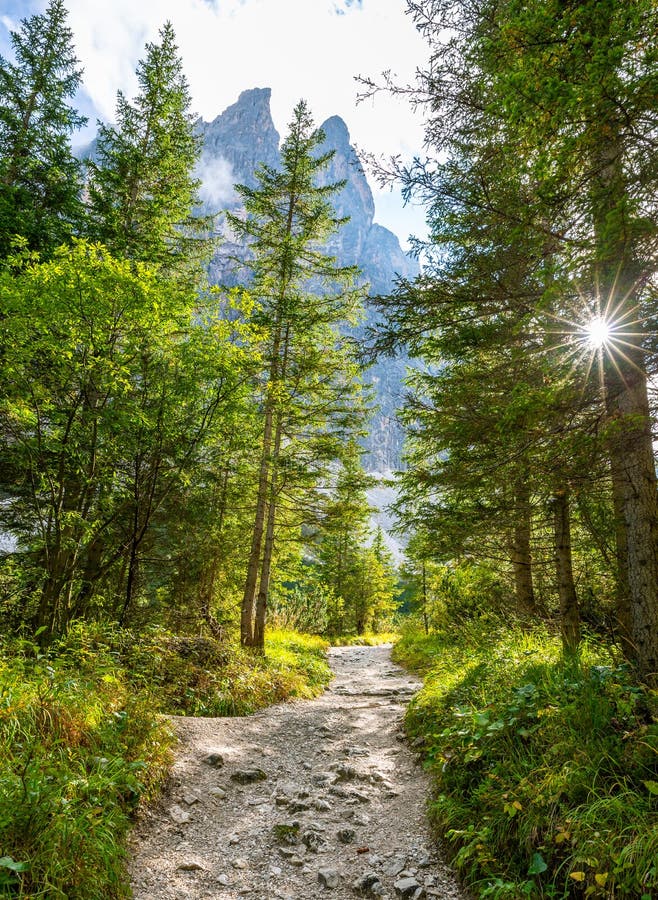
[252, 104]
[336, 132]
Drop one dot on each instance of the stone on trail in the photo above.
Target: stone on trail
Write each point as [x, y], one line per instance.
[367, 883]
[328, 877]
[249, 776]
[346, 835]
[178, 814]
[191, 866]
[216, 760]
[409, 887]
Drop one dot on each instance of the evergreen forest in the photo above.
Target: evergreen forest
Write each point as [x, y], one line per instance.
[184, 516]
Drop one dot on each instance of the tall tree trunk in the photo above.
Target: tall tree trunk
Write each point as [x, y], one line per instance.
[268, 549]
[629, 436]
[426, 623]
[636, 508]
[520, 549]
[253, 566]
[569, 611]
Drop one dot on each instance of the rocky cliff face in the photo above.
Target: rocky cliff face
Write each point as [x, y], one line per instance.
[234, 145]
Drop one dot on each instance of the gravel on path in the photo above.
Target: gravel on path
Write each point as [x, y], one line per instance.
[311, 799]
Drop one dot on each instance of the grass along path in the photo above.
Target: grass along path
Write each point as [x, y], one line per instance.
[545, 770]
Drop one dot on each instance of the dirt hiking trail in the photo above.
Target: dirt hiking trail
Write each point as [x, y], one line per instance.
[303, 800]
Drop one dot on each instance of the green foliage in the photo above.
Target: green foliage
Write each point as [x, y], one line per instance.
[306, 372]
[545, 768]
[141, 188]
[40, 178]
[78, 752]
[117, 387]
[83, 740]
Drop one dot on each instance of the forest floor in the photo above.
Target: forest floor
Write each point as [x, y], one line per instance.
[309, 799]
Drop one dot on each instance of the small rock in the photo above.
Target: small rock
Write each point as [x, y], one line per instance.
[190, 866]
[328, 877]
[296, 861]
[322, 779]
[312, 840]
[418, 742]
[276, 870]
[321, 805]
[346, 773]
[234, 838]
[395, 866]
[408, 887]
[217, 792]
[298, 806]
[216, 760]
[361, 819]
[249, 776]
[368, 883]
[240, 863]
[347, 835]
[223, 879]
[179, 815]
[190, 798]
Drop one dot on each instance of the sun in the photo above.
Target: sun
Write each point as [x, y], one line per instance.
[598, 332]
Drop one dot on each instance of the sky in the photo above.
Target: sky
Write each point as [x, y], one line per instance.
[310, 49]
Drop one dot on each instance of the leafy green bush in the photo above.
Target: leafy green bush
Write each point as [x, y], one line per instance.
[546, 770]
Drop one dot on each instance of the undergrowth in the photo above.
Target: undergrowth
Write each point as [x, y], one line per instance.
[546, 769]
[83, 740]
[368, 639]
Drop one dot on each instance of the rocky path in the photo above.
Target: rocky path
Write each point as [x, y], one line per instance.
[303, 800]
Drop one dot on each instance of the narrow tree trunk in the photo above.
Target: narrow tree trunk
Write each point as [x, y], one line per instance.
[253, 566]
[266, 569]
[520, 550]
[425, 618]
[569, 611]
[636, 507]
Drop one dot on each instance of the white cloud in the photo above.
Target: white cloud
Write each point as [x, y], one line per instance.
[217, 182]
[299, 48]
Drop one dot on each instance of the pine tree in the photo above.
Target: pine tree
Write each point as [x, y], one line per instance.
[141, 186]
[40, 179]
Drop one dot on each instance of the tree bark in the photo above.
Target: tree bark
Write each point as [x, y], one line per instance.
[629, 438]
[520, 550]
[569, 611]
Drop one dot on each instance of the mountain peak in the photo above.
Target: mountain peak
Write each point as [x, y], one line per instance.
[336, 132]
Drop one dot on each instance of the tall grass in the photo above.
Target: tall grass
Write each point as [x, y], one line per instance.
[546, 769]
[83, 741]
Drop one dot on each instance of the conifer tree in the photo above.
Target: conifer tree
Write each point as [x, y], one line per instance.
[308, 379]
[40, 179]
[141, 186]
